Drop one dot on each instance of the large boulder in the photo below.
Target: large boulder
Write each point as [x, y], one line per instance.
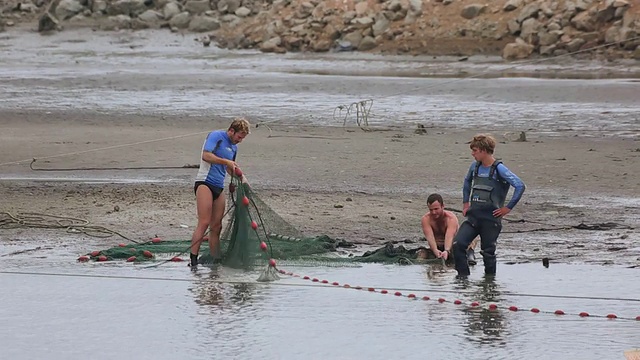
[67, 9]
[517, 50]
[203, 23]
[131, 8]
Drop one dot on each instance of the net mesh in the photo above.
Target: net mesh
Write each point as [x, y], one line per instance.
[255, 234]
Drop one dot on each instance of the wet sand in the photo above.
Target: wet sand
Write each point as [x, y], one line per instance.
[579, 162]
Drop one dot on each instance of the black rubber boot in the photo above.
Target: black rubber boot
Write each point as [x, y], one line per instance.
[471, 257]
[489, 263]
[194, 260]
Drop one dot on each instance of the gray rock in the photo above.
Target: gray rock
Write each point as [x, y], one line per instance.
[131, 8]
[203, 23]
[170, 10]
[517, 50]
[229, 18]
[117, 22]
[560, 52]
[530, 27]
[620, 12]
[626, 35]
[547, 10]
[243, 12]
[367, 43]
[348, 16]
[511, 5]
[584, 21]
[180, 21]
[531, 10]
[473, 10]
[271, 45]
[554, 26]
[612, 35]
[575, 44]
[513, 26]
[354, 38]
[197, 7]
[304, 10]
[547, 50]
[620, 3]
[415, 7]
[380, 25]
[99, 6]
[150, 17]
[66, 9]
[298, 29]
[591, 36]
[394, 5]
[321, 45]
[28, 7]
[582, 5]
[362, 23]
[605, 15]
[549, 38]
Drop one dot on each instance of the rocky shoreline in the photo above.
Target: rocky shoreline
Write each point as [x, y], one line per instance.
[514, 29]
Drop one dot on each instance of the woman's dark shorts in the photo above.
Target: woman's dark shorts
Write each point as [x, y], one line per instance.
[216, 191]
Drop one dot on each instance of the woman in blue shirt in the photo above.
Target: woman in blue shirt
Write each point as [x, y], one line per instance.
[218, 159]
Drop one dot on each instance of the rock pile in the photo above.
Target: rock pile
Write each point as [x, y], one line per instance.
[518, 28]
[557, 28]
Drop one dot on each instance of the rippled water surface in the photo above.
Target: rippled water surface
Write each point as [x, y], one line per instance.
[225, 313]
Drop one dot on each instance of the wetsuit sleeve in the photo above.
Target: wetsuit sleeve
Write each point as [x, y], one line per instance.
[514, 181]
[212, 140]
[466, 187]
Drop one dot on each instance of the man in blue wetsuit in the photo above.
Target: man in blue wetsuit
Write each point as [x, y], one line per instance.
[218, 158]
[484, 193]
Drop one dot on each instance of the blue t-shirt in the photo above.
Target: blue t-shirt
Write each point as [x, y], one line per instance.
[218, 143]
[503, 172]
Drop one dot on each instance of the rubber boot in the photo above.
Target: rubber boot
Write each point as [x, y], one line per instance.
[471, 257]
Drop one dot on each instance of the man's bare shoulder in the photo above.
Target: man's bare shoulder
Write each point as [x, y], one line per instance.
[451, 216]
[428, 219]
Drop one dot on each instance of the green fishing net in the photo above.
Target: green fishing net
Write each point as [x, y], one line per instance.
[255, 235]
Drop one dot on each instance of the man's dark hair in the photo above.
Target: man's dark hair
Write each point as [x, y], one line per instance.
[433, 198]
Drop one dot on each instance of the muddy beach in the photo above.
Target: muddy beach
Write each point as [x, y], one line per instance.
[77, 100]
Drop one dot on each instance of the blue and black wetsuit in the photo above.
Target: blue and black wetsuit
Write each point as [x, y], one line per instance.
[486, 189]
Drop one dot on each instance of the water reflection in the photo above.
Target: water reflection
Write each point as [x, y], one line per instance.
[483, 325]
[209, 291]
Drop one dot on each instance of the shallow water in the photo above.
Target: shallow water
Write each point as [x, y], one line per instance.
[202, 316]
[162, 73]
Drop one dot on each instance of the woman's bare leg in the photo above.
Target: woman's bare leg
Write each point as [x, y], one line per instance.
[204, 207]
[215, 226]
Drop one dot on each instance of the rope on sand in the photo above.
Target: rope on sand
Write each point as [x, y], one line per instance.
[45, 221]
[107, 148]
[187, 166]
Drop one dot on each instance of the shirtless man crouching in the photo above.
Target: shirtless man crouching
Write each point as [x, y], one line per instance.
[440, 227]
